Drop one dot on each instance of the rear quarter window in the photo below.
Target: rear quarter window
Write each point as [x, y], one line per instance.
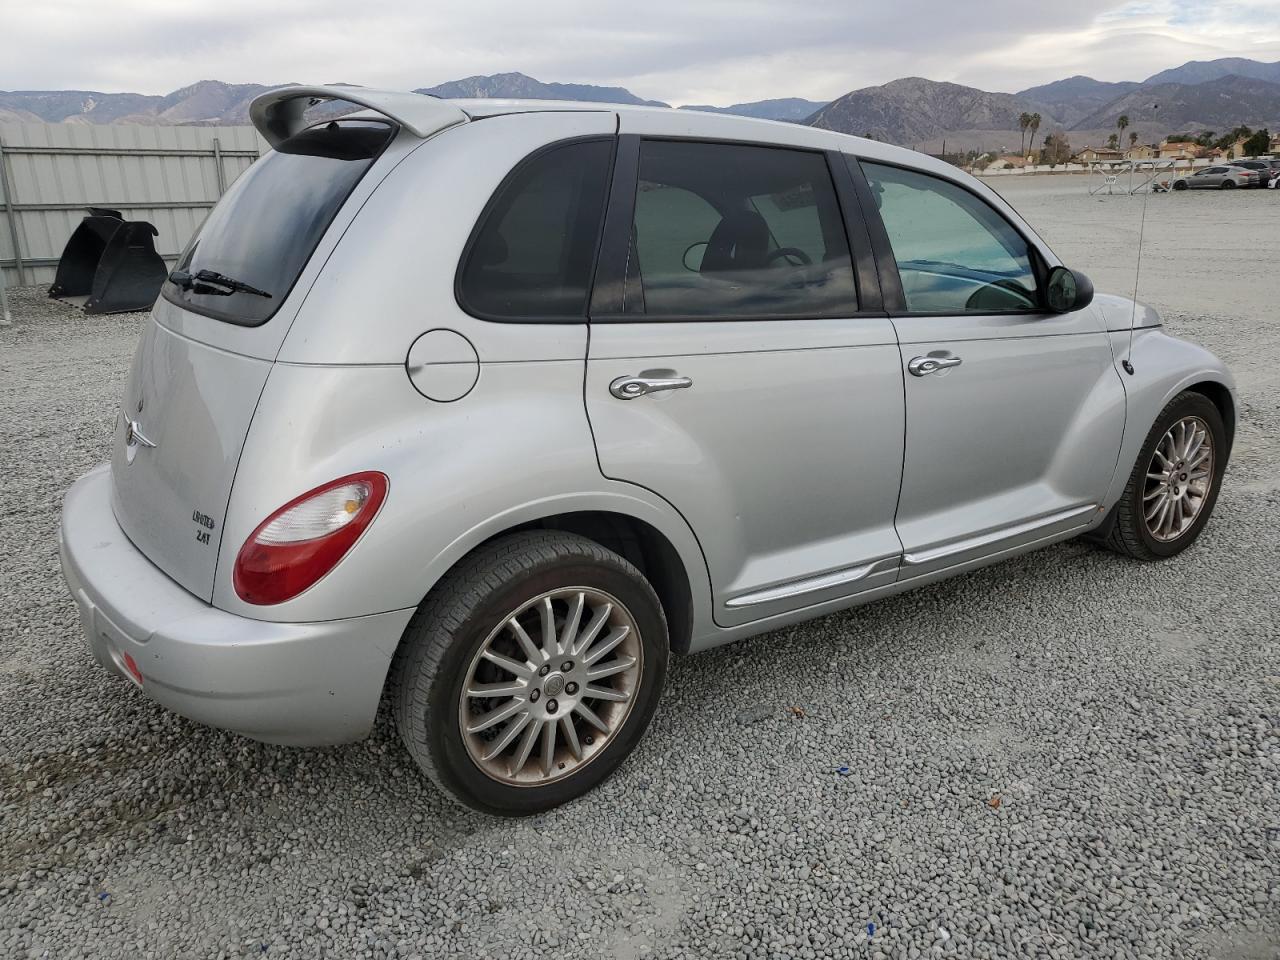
[269, 223]
[533, 251]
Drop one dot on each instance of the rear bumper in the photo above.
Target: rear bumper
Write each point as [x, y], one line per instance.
[304, 684]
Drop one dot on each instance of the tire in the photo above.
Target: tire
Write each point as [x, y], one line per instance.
[1228, 184]
[1130, 533]
[469, 612]
[1179, 184]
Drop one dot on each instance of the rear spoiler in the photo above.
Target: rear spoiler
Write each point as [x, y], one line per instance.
[278, 113]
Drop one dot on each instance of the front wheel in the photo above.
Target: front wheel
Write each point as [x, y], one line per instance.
[1175, 483]
[1180, 185]
[530, 672]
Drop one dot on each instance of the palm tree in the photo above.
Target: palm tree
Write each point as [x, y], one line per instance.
[1024, 121]
[1121, 122]
[1133, 138]
[1034, 124]
[1113, 141]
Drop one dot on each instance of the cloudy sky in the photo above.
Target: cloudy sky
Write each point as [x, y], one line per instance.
[708, 51]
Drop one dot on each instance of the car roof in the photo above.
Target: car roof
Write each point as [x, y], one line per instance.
[668, 121]
[697, 122]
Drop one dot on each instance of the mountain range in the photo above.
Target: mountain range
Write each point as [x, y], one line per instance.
[1075, 98]
[794, 109]
[517, 86]
[1214, 95]
[914, 109]
[212, 101]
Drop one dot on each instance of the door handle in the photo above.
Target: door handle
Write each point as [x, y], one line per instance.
[628, 388]
[923, 366]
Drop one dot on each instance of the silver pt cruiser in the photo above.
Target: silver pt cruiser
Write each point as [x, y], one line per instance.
[492, 405]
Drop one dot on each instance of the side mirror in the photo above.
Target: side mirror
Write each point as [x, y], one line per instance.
[1067, 290]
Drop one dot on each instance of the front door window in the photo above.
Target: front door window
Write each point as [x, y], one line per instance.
[955, 254]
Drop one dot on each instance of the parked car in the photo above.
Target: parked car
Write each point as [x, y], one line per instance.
[1263, 168]
[494, 405]
[1272, 174]
[1219, 176]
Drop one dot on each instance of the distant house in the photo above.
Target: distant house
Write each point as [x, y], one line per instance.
[1274, 148]
[1096, 154]
[1234, 151]
[979, 163]
[1180, 150]
[1141, 151]
[1237, 151]
[1006, 163]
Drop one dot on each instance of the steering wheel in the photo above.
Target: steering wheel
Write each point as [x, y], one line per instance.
[684, 258]
[790, 252]
[1000, 295]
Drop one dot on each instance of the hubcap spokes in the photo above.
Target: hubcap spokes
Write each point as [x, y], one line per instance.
[1178, 479]
[550, 686]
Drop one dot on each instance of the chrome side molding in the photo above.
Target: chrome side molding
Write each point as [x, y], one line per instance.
[995, 536]
[796, 588]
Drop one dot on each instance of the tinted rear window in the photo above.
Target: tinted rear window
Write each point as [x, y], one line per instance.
[265, 228]
[735, 231]
[532, 256]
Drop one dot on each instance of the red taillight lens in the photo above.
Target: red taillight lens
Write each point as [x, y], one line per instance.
[132, 666]
[303, 540]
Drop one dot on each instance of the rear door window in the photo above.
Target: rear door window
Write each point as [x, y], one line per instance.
[732, 231]
[533, 253]
[265, 228]
[955, 253]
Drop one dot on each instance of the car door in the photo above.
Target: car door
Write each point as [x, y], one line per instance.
[1212, 177]
[733, 371]
[1014, 414]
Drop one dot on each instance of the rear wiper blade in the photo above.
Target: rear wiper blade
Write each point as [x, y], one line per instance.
[201, 280]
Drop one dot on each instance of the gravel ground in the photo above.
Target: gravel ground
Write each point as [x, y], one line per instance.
[1065, 755]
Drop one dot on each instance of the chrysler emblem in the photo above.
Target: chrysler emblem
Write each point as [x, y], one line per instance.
[133, 439]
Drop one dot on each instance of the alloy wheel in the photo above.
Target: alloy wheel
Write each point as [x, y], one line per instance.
[550, 686]
[1179, 478]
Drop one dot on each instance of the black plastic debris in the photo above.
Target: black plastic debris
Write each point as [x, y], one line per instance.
[109, 265]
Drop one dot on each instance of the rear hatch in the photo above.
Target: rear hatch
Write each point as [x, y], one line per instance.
[208, 348]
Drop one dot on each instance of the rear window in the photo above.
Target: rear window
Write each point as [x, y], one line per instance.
[736, 231]
[265, 228]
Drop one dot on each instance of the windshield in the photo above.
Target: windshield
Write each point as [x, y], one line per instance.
[265, 228]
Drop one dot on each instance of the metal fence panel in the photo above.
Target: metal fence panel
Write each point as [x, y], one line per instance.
[49, 172]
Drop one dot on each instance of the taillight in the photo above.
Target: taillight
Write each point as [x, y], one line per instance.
[132, 666]
[303, 540]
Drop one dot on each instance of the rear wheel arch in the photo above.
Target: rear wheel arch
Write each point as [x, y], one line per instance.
[648, 549]
[633, 539]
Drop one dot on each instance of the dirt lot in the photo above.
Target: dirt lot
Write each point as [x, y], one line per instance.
[1065, 755]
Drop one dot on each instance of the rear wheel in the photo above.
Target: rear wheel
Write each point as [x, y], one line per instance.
[1174, 485]
[530, 672]
[1228, 184]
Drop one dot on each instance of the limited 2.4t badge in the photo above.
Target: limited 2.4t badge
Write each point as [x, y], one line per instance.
[206, 521]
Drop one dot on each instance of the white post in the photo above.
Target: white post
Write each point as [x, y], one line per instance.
[5, 317]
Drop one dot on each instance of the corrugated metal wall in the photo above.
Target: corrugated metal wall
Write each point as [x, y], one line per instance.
[49, 172]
